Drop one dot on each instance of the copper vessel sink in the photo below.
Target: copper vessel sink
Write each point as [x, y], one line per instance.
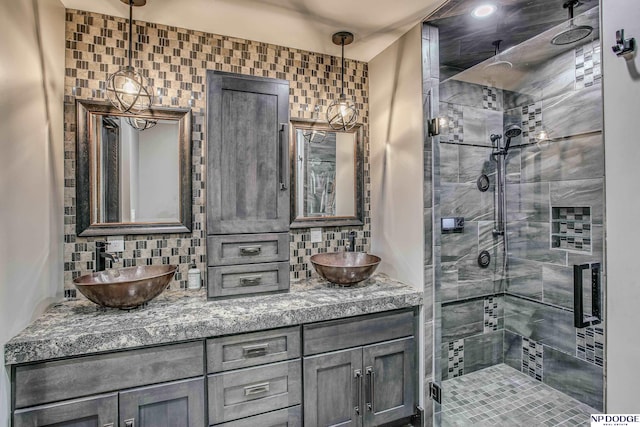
[345, 268]
[125, 287]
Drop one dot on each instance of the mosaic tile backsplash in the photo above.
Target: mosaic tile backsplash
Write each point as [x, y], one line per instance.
[174, 60]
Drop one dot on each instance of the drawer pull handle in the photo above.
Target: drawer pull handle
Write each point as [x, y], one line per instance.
[370, 374]
[255, 350]
[250, 250]
[250, 281]
[256, 389]
[130, 422]
[358, 376]
[108, 425]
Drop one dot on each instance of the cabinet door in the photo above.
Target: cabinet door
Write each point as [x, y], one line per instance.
[248, 154]
[95, 411]
[176, 404]
[390, 381]
[333, 389]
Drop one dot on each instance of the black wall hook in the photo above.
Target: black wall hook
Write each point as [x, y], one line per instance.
[624, 47]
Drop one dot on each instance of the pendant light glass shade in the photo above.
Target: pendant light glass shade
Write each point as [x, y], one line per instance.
[127, 89]
[342, 113]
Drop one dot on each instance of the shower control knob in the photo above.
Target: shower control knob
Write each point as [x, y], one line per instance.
[484, 259]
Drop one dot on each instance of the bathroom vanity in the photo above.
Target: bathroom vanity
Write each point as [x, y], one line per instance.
[318, 355]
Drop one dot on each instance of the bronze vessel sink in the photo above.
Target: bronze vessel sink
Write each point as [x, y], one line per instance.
[345, 268]
[125, 287]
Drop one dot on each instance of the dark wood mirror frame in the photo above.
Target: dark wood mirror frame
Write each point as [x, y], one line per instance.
[333, 221]
[85, 225]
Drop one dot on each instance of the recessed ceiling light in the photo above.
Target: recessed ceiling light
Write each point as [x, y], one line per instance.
[483, 10]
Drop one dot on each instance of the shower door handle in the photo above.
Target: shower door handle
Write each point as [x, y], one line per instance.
[594, 317]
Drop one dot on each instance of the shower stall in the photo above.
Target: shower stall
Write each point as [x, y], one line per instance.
[517, 205]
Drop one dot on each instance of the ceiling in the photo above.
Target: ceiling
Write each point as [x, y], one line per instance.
[466, 41]
[302, 24]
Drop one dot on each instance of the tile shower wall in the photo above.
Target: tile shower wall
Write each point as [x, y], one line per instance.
[555, 213]
[533, 331]
[175, 60]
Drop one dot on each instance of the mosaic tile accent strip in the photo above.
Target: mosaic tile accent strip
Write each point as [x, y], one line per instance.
[532, 358]
[491, 314]
[531, 121]
[454, 129]
[502, 396]
[455, 362]
[175, 60]
[590, 344]
[490, 99]
[334, 240]
[571, 228]
[588, 65]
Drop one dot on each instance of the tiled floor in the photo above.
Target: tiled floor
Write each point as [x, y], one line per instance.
[503, 396]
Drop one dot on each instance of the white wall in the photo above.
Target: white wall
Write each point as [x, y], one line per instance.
[31, 165]
[395, 109]
[158, 175]
[345, 173]
[622, 157]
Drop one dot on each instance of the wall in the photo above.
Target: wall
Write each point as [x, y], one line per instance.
[157, 169]
[31, 78]
[621, 94]
[175, 60]
[397, 194]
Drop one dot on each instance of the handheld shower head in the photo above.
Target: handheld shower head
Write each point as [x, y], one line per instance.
[511, 131]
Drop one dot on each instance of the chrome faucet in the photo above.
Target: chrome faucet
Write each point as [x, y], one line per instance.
[102, 255]
[352, 241]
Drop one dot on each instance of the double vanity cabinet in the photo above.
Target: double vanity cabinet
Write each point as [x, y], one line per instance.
[357, 371]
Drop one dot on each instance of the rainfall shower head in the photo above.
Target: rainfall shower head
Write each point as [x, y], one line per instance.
[496, 63]
[511, 131]
[575, 32]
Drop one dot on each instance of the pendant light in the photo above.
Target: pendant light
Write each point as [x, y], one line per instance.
[127, 88]
[342, 113]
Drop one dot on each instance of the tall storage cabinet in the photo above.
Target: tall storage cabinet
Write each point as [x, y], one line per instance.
[247, 184]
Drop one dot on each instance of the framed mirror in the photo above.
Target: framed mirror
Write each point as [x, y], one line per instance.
[327, 175]
[130, 181]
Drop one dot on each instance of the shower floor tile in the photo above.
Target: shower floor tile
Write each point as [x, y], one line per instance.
[503, 396]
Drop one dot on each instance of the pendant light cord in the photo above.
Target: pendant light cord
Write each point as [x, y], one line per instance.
[342, 70]
[130, 29]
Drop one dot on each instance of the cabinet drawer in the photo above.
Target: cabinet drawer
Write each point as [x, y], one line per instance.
[289, 417]
[83, 376]
[252, 391]
[344, 333]
[257, 348]
[102, 409]
[247, 248]
[248, 279]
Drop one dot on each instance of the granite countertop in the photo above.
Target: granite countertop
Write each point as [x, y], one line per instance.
[73, 328]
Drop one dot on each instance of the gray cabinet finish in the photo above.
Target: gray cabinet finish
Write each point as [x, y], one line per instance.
[95, 411]
[245, 392]
[176, 404]
[233, 280]
[247, 177]
[66, 379]
[390, 381]
[257, 348]
[369, 385]
[332, 389]
[247, 248]
[289, 417]
[356, 331]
